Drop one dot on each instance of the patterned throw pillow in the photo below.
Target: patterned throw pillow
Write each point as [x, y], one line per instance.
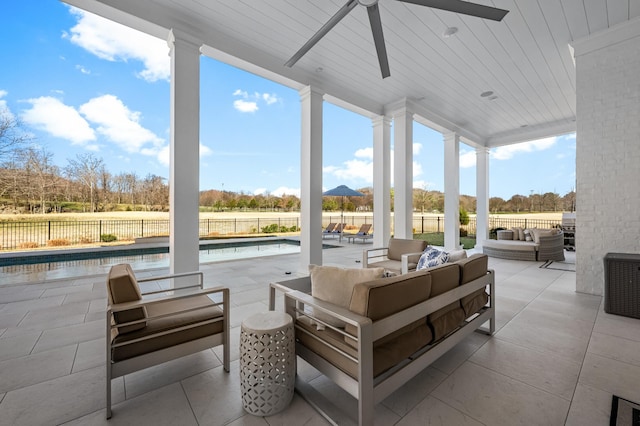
[432, 257]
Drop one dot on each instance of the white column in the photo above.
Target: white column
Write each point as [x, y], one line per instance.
[482, 195]
[403, 174]
[184, 175]
[451, 191]
[381, 181]
[311, 178]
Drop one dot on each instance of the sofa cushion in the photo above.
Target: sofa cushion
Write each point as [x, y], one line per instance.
[335, 285]
[528, 236]
[387, 296]
[122, 287]
[432, 257]
[382, 297]
[457, 255]
[444, 278]
[385, 354]
[537, 233]
[473, 268]
[398, 247]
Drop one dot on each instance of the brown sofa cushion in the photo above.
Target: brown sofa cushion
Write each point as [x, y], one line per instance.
[472, 268]
[122, 287]
[168, 323]
[444, 278]
[385, 354]
[387, 296]
[398, 247]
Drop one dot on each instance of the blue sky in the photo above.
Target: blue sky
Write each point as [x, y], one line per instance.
[81, 84]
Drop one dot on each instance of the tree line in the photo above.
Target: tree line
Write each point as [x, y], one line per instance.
[31, 182]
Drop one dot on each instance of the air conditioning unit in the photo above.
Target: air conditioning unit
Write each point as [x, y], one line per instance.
[622, 284]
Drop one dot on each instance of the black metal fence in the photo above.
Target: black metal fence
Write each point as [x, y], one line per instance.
[31, 234]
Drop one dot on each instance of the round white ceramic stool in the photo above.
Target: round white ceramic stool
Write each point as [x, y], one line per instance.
[267, 363]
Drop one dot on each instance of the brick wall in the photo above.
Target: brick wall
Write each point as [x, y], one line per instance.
[608, 151]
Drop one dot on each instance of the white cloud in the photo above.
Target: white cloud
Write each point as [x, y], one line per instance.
[3, 105]
[270, 98]
[83, 70]
[58, 119]
[115, 42]
[245, 106]
[249, 103]
[417, 148]
[283, 190]
[364, 153]
[467, 159]
[163, 155]
[119, 124]
[417, 169]
[354, 170]
[260, 191]
[509, 151]
[205, 151]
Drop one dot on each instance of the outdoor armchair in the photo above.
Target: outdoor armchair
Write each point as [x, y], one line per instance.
[400, 256]
[174, 322]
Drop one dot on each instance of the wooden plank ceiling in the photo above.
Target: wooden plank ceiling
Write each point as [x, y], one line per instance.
[525, 60]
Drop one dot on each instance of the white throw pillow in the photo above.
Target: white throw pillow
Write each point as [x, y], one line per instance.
[432, 257]
[335, 285]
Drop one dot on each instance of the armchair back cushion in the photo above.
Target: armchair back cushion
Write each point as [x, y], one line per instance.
[398, 247]
[122, 287]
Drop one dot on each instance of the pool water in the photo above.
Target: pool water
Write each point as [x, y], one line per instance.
[35, 272]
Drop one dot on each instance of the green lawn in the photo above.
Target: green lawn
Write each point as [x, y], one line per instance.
[437, 239]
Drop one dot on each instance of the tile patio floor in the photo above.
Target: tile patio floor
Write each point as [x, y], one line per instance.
[556, 358]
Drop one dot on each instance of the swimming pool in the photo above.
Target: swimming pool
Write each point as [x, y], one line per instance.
[72, 263]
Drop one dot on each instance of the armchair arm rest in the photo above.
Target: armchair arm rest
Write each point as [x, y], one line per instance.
[117, 307]
[302, 284]
[295, 297]
[200, 283]
[373, 253]
[409, 257]
[111, 309]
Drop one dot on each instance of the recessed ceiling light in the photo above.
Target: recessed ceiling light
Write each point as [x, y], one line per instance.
[449, 32]
[487, 93]
[491, 98]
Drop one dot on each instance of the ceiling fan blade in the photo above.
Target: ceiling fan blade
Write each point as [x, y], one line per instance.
[378, 39]
[344, 10]
[464, 7]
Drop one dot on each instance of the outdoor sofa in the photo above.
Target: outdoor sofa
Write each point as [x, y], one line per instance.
[541, 245]
[389, 330]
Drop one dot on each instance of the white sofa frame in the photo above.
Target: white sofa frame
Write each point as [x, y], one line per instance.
[368, 390]
[127, 366]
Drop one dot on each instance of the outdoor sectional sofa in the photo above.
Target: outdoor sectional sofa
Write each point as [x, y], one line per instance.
[389, 331]
[544, 244]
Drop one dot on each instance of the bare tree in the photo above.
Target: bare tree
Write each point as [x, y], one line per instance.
[11, 135]
[85, 168]
[42, 174]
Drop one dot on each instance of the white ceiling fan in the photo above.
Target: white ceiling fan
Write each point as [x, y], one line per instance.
[457, 6]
